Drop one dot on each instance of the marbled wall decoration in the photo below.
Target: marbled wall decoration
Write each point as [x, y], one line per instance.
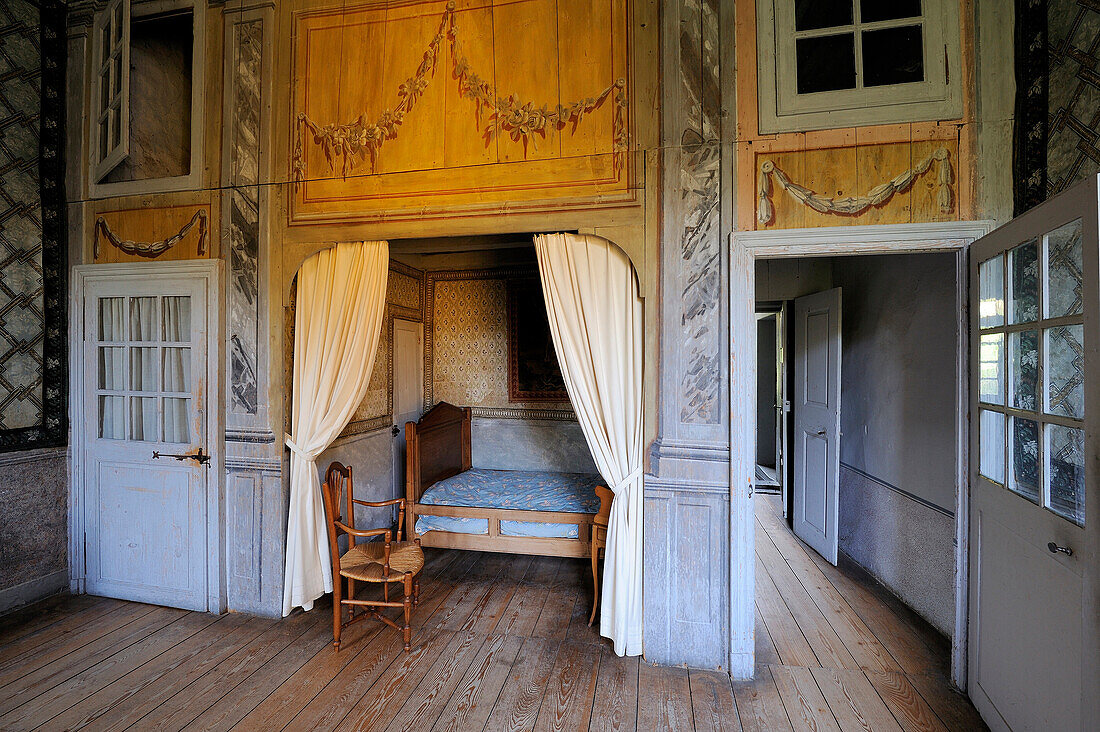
[244, 224]
[32, 262]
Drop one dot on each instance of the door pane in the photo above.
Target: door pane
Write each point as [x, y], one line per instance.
[991, 438]
[112, 368]
[143, 369]
[177, 319]
[1023, 365]
[176, 420]
[1023, 272]
[1065, 365]
[1024, 457]
[991, 368]
[143, 322]
[826, 63]
[893, 56]
[143, 419]
[177, 369]
[112, 417]
[1065, 270]
[991, 288]
[1066, 471]
[872, 11]
[112, 319]
[814, 14]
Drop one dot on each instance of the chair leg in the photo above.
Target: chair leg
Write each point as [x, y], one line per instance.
[337, 611]
[386, 591]
[416, 592]
[407, 630]
[595, 585]
[351, 588]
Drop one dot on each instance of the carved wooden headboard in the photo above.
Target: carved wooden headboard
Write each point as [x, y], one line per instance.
[437, 447]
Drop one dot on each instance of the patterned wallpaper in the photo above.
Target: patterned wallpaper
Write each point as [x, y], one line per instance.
[32, 267]
[468, 353]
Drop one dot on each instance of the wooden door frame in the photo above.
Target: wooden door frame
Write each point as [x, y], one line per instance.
[745, 248]
[212, 272]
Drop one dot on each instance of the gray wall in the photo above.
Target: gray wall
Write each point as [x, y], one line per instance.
[899, 439]
[521, 444]
[34, 536]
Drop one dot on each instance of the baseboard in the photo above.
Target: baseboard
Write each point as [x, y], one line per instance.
[13, 598]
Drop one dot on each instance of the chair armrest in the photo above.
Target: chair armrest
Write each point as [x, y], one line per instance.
[365, 532]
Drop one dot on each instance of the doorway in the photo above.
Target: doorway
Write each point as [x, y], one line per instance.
[408, 390]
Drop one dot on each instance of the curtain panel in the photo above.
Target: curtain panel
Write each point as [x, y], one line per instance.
[595, 313]
[341, 301]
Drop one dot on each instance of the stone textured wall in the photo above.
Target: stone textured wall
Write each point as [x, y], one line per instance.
[33, 554]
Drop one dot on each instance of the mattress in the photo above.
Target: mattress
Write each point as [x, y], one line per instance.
[520, 490]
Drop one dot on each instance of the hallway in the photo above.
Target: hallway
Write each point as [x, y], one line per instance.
[501, 642]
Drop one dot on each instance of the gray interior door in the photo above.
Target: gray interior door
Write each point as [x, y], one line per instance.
[817, 420]
[408, 390]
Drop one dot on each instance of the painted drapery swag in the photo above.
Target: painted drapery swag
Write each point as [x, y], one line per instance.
[522, 121]
[337, 325]
[595, 313]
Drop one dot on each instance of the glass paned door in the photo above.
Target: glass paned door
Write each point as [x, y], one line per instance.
[1034, 316]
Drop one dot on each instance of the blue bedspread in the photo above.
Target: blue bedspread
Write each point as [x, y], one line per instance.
[520, 490]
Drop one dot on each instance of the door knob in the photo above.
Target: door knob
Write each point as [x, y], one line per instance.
[198, 457]
[821, 433]
[1055, 549]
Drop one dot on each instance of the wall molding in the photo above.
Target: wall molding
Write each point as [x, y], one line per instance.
[25, 457]
[549, 415]
[253, 464]
[13, 598]
[892, 238]
[259, 437]
[900, 491]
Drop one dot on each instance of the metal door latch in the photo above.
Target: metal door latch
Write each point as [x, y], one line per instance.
[1055, 549]
[198, 457]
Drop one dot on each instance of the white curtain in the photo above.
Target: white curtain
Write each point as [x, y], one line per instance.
[341, 300]
[595, 314]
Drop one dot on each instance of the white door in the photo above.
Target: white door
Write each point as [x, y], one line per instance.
[144, 374]
[1034, 448]
[817, 420]
[408, 390]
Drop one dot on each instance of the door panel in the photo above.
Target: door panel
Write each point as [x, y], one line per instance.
[817, 420]
[1033, 640]
[145, 512]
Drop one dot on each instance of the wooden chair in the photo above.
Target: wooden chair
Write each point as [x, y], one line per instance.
[599, 543]
[381, 562]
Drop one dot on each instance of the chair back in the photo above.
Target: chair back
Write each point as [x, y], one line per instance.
[336, 486]
[603, 516]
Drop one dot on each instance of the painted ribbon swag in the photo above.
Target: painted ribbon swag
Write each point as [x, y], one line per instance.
[853, 205]
[357, 141]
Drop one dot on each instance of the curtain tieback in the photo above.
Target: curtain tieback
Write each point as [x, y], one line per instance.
[634, 475]
[294, 448]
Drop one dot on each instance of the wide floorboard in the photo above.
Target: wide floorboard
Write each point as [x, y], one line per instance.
[501, 643]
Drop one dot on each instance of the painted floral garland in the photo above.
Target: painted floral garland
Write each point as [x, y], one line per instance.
[152, 249]
[853, 205]
[521, 121]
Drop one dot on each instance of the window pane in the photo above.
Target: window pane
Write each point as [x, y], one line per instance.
[1066, 471]
[1023, 369]
[991, 369]
[143, 321]
[177, 369]
[104, 90]
[143, 419]
[177, 319]
[893, 56]
[104, 138]
[112, 368]
[1024, 457]
[143, 369]
[105, 44]
[116, 22]
[1065, 270]
[826, 63]
[176, 420]
[813, 14]
[991, 445]
[112, 417]
[116, 76]
[1023, 274]
[112, 319]
[991, 289]
[872, 11]
[116, 128]
[1065, 366]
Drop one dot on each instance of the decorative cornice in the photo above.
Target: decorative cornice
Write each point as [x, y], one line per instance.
[24, 457]
[260, 437]
[934, 235]
[555, 415]
[367, 425]
[253, 465]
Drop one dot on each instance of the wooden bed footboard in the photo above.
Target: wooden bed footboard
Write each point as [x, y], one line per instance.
[438, 447]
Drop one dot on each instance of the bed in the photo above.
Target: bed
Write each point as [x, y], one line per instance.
[454, 506]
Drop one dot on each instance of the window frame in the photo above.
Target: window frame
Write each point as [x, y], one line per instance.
[782, 109]
[99, 168]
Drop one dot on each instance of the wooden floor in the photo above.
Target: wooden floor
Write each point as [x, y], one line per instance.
[501, 642]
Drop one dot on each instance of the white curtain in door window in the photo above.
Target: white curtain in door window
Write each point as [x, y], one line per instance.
[595, 314]
[341, 300]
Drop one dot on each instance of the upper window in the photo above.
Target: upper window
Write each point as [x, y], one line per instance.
[845, 63]
[146, 131]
